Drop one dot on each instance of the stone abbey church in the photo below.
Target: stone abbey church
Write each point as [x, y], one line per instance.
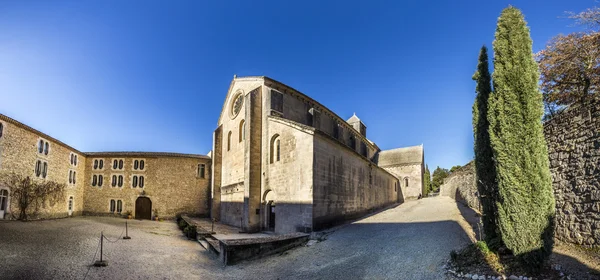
[280, 161]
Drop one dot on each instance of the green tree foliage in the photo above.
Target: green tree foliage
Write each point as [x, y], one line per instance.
[427, 181]
[437, 179]
[484, 165]
[525, 200]
[454, 168]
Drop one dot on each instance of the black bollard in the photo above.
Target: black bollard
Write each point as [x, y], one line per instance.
[126, 232]
[101, 263]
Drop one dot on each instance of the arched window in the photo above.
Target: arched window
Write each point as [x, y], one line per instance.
[119, 206]
[141, 181]
[229, 141]
[94, 180]
[134, 182]
[74, 176]
[114, 181]
[72, 159]
[275, 154]
[121, 164]
[115, 164]
[75, 160]
[101, 164]
[100, 179]
[70, 176]
[142, 163]
[112, 206]
[242, 131]
[46, 148]
[95, 164]
[136, 164]
[406, 182]
[1, 129]
[120, 180]
[45, 170]
[41, 146]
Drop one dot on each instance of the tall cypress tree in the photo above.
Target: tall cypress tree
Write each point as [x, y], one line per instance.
[525, 200]
[427, 180]
[484, 165]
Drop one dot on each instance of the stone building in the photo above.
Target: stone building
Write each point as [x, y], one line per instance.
[283, 162]
[110, 183]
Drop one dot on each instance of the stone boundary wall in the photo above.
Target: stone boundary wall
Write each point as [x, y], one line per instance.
[573, 139]
[460, 185]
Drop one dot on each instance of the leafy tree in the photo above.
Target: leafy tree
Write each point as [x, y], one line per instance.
[30, 193]
[570, 64]
[454, 168]
[437, 179]
[525, 200]
[427, 181]
[484, 164]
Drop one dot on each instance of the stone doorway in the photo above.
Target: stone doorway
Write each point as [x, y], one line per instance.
[143, 208]
[271, 215]
[3, 202]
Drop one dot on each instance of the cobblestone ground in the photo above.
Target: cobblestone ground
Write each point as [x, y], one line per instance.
[410, 241]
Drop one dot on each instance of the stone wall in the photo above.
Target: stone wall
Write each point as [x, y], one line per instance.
[460, 185]
[346, 185]
[19, 154]
[289, 181]
[171, 183]
[573, 139]
[410, 177]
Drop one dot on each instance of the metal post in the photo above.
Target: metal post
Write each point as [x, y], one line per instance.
[126, 232]
[101, 262]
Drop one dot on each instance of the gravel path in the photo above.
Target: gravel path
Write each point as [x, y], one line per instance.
[410, 241]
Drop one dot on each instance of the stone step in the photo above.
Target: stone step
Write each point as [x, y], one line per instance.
[214, 244]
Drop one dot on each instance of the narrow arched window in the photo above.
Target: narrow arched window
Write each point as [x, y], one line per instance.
[141, 181]
[112, 205]
[136, 164]
[114, 181]
[115, 164]
[38, 168]
[406, 182]
[95, 164]
[72, 159]
[45, 170]
[1, 129]
[74, 176]
[120, 180]
[101, 164]
[134, 182]
[229, 141]
[100, 179]
[119, 206]
[75, 160]
[242, 130]
[46, 148]
[41, 146]
[275, 149]
[94, 180]
[142, 163]
[120, 164]
[70, 176]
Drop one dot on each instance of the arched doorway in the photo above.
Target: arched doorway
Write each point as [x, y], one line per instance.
[269, 202]
[143, 208]
[3, 202]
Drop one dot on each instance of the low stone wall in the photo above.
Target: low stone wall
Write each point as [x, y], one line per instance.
[573, 139]
[460, 185]
[236, 250]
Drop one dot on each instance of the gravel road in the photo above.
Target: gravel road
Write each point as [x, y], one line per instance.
[409, 241]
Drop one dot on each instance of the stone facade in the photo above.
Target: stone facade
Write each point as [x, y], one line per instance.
[283, 162]
[408, 165]
[171, 181]
[573, 139]
[460, 185]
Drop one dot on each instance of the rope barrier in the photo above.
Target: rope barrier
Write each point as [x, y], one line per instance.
[93, 259]
[118, 238]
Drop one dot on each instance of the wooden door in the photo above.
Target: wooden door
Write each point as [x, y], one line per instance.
[143, 208]
[271, 212]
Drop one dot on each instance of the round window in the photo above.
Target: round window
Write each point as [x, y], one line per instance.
[236, 106]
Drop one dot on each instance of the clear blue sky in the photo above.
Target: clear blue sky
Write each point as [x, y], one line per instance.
[152, 75]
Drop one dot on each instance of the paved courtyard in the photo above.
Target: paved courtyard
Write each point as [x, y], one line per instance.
[410, 241]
